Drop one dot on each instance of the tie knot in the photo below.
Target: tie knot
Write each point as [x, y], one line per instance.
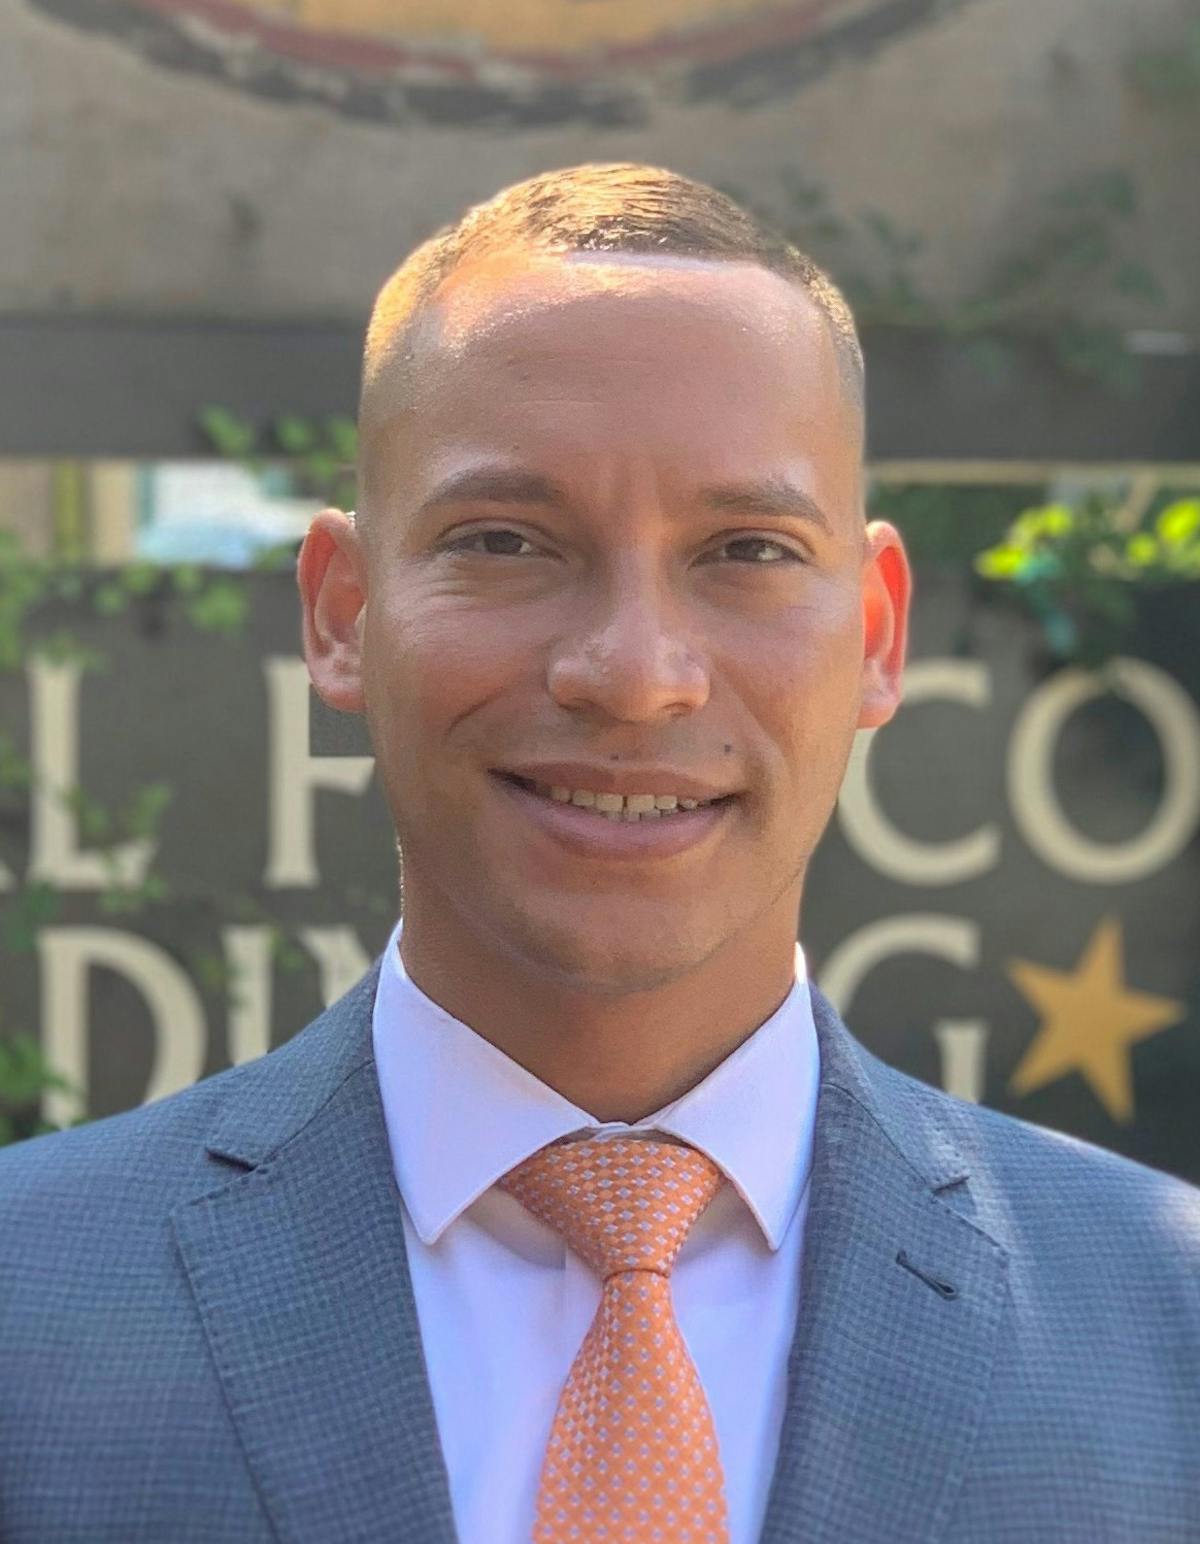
[621, 1203]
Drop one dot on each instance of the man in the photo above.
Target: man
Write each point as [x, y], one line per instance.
[583, 1217]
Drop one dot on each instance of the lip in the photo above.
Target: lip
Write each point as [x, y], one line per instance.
[577, 774]
[588, 835]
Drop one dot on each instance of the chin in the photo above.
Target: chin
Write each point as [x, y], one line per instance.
[615, 954]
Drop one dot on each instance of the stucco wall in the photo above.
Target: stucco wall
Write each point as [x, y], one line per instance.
[157, 159]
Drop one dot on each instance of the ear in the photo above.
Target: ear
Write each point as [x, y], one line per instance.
[887, 590]
[331, 572]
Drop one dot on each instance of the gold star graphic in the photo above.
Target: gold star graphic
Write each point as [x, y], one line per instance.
[1089, 1022]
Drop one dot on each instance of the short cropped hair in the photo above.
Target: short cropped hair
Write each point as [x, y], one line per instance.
[620, 207]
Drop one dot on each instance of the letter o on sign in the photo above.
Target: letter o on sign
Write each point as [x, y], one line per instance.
[1041, 819]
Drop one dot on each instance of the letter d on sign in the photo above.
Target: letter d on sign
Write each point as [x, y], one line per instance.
[65, 956]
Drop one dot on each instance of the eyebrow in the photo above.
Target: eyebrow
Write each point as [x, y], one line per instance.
[769, 497]
[496, 485]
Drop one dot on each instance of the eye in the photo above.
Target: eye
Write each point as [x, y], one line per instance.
[498, 543]
[758, 549]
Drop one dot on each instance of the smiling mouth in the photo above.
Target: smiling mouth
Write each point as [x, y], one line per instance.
[629, 808]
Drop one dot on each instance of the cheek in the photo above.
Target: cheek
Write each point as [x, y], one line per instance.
[431, 672]
[803, 686]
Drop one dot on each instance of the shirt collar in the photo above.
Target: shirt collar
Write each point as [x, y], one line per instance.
[460, 1113]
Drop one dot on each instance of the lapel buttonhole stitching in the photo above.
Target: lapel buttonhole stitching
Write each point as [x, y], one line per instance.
[944, 1289]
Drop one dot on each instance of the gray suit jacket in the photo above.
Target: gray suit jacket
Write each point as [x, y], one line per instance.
[207, 1328]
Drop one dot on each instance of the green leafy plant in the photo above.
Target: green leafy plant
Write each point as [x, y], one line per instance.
[25, 1076]
[1077, 255]
[321, 452]
[1169, 77]
[211, 601]
[1079, 568]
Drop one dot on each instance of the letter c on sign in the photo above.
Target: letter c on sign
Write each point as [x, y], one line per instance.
[1172, 714]
[869, 831]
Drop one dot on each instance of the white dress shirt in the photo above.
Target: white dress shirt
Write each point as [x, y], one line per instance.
[503, 1305]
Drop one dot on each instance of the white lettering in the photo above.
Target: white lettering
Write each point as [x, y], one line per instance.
[295, 774]
[963, 1044]
[248, 956]
[65, 956]
[1043, 824]
[55, 855]
[340, 958]
[869, 831]
[955, 939]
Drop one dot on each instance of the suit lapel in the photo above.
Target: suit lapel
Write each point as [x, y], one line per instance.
[297, 1263]
[300, 1276]
[888, 1372]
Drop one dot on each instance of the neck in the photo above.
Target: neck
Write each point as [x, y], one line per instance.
[619, 1056]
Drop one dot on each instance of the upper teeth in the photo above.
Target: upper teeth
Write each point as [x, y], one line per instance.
[637, 806]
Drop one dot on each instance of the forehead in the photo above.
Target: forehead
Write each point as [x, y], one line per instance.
[628, 354]
[520, 289]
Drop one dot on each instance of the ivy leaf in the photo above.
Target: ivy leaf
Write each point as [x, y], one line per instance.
[1003, 562]
[140, 578]
[94, 820]
[343, 437]
[1085, 249]
[286, 954]
[993, 357]
[1039, 567]
[63, 648]
[32, 907]
[187, 578]
[1136, 281]
[231, 436]
[15, 771]
[1099, 352]
[1179, 522]
[322, 466]
[146, 808]
[109, 598]
[1062, 632]
[1112, 189]
[1054, 521]
[221, 608]
[295, 435]
[275, 559]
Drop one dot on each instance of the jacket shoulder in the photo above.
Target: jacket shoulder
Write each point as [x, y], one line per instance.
[141, 1161]
[154, 1143]
[1031, 1185]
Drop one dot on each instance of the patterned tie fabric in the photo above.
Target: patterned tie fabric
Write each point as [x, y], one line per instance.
[632, 1455]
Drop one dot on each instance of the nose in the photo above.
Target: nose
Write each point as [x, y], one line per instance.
[632, 656]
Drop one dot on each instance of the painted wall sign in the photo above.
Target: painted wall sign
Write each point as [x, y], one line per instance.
[1006, 903]
[535, 62]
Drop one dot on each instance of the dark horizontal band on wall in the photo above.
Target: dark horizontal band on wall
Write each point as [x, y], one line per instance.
[78, 385]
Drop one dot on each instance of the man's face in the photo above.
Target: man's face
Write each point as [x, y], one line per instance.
[614, 544]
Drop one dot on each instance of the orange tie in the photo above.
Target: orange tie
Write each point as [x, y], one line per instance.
[632, 1456]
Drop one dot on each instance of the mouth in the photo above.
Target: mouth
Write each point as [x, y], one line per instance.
[630, 809]
[616, 826]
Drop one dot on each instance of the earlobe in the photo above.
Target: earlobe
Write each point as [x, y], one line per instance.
[331, 576]
[887, 591]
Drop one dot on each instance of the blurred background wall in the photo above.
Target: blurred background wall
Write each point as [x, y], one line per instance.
[202, 196]
[198, 202]
[273, 159]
